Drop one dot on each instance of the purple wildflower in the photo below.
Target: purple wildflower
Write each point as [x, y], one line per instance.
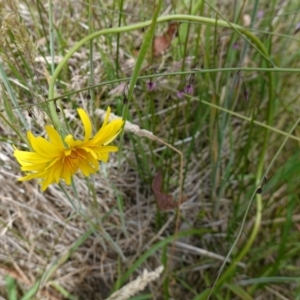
[180, 94]
[260, 14]
[235, 46]
[150, 85]
[189, 89]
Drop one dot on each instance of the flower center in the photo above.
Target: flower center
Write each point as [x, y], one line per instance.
[73, 155]
[72, 158]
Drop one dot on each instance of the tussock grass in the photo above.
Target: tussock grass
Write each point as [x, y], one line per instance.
[229, 151]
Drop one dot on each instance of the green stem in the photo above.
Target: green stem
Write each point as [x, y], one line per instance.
[166, 74]
[263, 125]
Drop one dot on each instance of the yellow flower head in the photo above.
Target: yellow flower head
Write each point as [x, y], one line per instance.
[53, 160]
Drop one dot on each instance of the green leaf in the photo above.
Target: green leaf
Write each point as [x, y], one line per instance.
[237, 290]
[11, 288]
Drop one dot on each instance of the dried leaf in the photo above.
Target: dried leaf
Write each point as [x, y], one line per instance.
[162, 43]
[164, 201]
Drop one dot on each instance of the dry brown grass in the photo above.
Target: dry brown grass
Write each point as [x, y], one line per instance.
[37, 228]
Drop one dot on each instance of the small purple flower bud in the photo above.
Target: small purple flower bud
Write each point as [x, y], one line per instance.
[235, 46]
[150, 86]
[189, 89]
[180, 94]
[260, 14]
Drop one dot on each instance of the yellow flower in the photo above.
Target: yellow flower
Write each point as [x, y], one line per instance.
[56, 159]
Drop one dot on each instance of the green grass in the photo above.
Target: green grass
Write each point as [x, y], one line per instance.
[236, 133]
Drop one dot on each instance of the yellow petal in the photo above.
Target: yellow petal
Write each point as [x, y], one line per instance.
[90, 150]
[40, 174]
[55, 171]
[46, 183]
[54, 137]
[42, 146]
[104, 157]
[103, 150]
[108, 133]
[33, 167]
[86, 124]
[69, 140]
[88, 169]
[25, 157]
[106, 117]
[66, 175]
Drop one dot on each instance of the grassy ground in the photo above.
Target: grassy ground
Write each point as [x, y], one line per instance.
[217, 116]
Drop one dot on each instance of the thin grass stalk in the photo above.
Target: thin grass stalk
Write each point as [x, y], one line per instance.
[118, 37]
[51, 33]
[12, 96]
[150, 76]
[91, 54]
